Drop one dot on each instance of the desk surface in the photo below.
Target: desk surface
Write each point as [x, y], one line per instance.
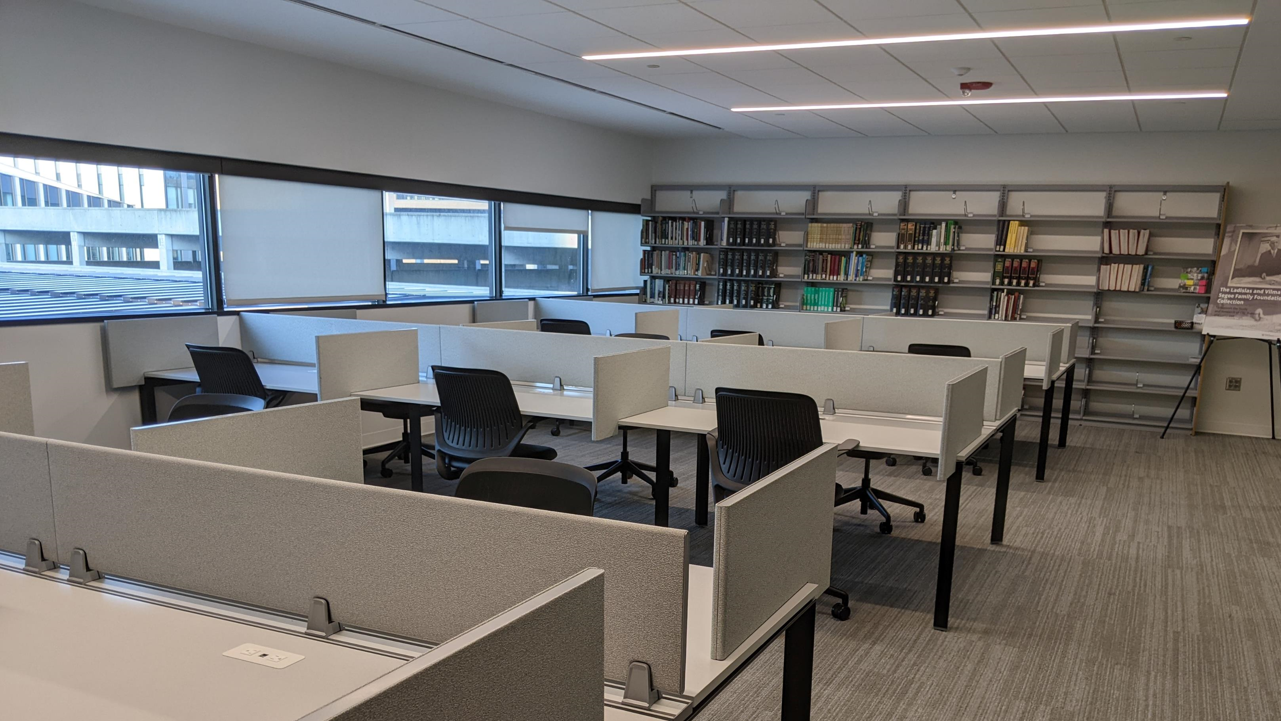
[77, 653]
[275, 376]
[534, 400]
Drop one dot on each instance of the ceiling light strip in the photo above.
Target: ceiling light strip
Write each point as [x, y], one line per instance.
[988, 35]
[991, 101]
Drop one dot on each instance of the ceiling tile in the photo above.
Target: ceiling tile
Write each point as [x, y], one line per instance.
[572, 69]
[944, 68]
[1168, 39]
[717, 89]
[799, 33]
[1043, 17]
[739, 62]
[1254, 89]
[819, 93]
[874, 92]
[567, 32]
[653, 19]
[490, 42]
[968, 50]
[943, 121]
[719, 36]
[1002, 87]
[1096, 117]
[775, 76]
[884, 74]
[809, 125]
[1160, 115]
[1156, 79]
[747, 13]
[580, 5]
[1178, 59]
[640, 67]
[1268, 124]
[1126, 11]
[855, 10]
[495, 8]
[918, 25]
[1105, 62]
[1076, 83]
[988, 6]
[1011, 119]
[1062, 45]
[875, 123]
[389, 12]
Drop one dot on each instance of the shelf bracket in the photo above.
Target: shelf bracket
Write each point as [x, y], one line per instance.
[320, 619]
[35, 561]
[639, 691]
[80, 570]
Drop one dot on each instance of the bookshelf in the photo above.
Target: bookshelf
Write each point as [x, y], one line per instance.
[1132, 359]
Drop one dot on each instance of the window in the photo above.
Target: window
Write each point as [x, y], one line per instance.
[63, 254]
[542, 250]
[437, 248]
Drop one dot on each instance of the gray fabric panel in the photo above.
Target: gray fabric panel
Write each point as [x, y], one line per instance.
[540, 661]
[604, 318]
[288, 337]
[508, 324]
[15, 399]
[962, 419]
[26, 506]
[136, 346]
[310, 439]
[491, 310]
[736, 339]
[661, 322]
[424, 566]
[351, 362]
[796, 330]
[1054, 354]
[882, 382]
[843, 334]
[984, 338]
[626, 384]
[1010, 382]
[772, 538]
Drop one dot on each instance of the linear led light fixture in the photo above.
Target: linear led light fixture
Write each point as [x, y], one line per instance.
[989, 35]
[990, 101]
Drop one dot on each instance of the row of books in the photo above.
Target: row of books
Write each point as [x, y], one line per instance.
[928, 235]
[914, 300]
[676, 262]
[910, 268]
[746, 294]
[680, 292]
[839, 236]
[1131, 277]
[837, 266]
[747, 232]
[1021, 272]
[1005, 305]
[1011, 237]
[678, 231]
[748, 264]
[828, 300]
[1125, 241]
[1195, 280]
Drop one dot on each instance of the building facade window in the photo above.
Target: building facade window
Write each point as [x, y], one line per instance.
[437, 248]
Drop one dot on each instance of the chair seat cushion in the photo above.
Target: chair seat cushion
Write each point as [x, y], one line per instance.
[870, 455]
[529, 450]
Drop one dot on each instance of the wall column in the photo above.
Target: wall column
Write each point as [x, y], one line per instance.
[77, 248]
[166, 251]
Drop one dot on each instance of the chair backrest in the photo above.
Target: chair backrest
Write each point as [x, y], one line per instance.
[478, 410]
[646, 336]
[530, 483]
[226, 370]
[722, 332]
[207, 405]
[759, 432]
[956, 351]
[562, 325]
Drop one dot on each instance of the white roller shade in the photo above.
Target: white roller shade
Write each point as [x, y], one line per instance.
[615, 251]
[543, 219]
[285, 242]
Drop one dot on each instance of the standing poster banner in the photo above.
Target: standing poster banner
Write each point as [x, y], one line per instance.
[1246, 300]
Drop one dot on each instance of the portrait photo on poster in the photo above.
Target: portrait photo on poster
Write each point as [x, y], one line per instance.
[1246, 299]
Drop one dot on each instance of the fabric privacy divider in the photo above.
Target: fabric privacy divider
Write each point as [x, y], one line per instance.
[783, 328]
[485, 311]
[984, 338]
[291, 338]
[659, 322]
[538, 358]
[425, 566]
[752, 339]
[610, 318]
[507, 324]
[962, 418]
[545, 653]
[878, 382]
[1009, 383]
[134, 347]
[313, 439]
[772, 538]
[625, 384]
[351, 362]
[26, 506]
[843, 334]
[16, 415]
[1053, 355]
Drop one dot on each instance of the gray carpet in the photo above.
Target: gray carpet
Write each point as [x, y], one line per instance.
[1142, 580]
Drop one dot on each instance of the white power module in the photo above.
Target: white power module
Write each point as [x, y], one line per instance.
[263, 656]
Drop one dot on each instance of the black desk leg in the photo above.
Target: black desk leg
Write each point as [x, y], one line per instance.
[147, 401]
[415, 443]
[703, 481]
[1003, 480]
[947, 548]
[1043, 448]
[1067, 405]
[662, 476]
[798, 666]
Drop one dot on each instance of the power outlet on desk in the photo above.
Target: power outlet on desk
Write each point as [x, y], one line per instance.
[263, 656]
[1234, 384]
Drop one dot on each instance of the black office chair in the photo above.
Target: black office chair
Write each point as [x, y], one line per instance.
[530, 483]
[757, 433]
[646, 336]
[400, 451]
[230, 370]
[478, 418]
[954, 351]
[561, 325]
[722, 332]
[207, 405]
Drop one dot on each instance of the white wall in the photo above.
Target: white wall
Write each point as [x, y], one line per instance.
[82, 73]
[1247, 160]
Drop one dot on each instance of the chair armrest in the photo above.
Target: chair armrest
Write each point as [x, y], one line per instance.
[847, 445]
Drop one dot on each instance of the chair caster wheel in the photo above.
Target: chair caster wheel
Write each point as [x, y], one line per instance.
[891, 461]
[886, 528]
[927, 471]
[977, 470]
[555, 431]
[672, 483]
[385, 472]
[841, 612]
[919, 516]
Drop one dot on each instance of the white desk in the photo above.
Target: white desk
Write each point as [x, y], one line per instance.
[892, 434]
[75, 653]
[275, 377]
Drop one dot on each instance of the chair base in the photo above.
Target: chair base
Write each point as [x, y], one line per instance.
[867, 496]
[626, 467]
[840, 609]
[401, 452]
